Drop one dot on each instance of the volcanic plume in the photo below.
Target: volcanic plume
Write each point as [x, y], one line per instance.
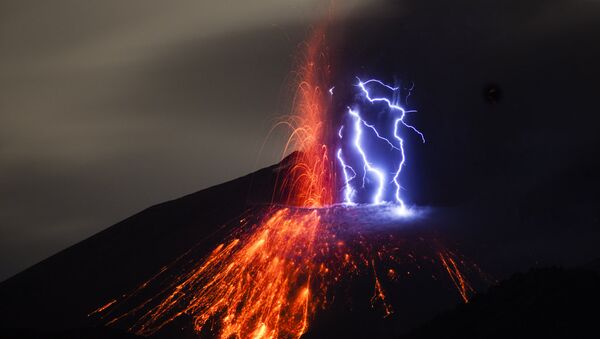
[389, 197]
[260, 283]
[285, 263]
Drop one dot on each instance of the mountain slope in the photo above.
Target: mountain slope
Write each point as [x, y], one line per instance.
[60, 291]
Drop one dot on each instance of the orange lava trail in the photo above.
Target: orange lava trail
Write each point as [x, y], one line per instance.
[267, 282]
[378, 293]
[450, 265]
[310, 180]
[258, 286]
[103, 307]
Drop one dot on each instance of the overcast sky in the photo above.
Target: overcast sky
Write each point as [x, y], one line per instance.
[108, 107]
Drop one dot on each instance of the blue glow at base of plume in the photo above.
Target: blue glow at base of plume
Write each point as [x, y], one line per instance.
[375, 173]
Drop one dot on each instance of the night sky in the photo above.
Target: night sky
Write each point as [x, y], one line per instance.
[110, 107]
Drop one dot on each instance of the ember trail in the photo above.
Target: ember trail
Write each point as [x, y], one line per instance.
[263, 281]
[273, 273]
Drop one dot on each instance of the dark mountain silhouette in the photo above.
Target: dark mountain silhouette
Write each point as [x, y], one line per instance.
[542, 303]
[58, 293]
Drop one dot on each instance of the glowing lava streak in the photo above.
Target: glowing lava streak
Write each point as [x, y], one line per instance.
[268, 281]
[258, 285]
[449, 263]
[310, 180]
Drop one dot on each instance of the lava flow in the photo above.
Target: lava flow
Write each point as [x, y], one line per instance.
[259, 284]
[274, 273]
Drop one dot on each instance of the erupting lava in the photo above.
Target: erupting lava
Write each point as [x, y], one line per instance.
[311, 181]
[271, 276]
[259, 284]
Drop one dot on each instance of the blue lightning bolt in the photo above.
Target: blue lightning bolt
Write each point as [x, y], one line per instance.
[392, 106]
[379, 136]
[398, 145]
[397, 176]
[348, 190]
[368, 167]
[409, 92]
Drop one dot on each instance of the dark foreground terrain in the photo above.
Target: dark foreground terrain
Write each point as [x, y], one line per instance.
[542, 303]
[546, 302]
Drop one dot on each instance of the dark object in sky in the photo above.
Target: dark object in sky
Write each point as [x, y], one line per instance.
[492, 93]
[542, 303]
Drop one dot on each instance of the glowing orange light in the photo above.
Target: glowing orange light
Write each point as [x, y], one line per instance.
[463, 286]
[271, 278]
[310, 181]
[257, 285]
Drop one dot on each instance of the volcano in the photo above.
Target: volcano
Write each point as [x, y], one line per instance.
[409, 283]
[58, 294]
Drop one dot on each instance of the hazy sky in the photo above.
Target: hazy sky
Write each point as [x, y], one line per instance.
[108, 107]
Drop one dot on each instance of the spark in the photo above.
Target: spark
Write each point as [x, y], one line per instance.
[451, 266]
[258, 284]
[378, 293]
[268, 281]
[103, 307]
[252, 283]
[309, 182]
[270, 277]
